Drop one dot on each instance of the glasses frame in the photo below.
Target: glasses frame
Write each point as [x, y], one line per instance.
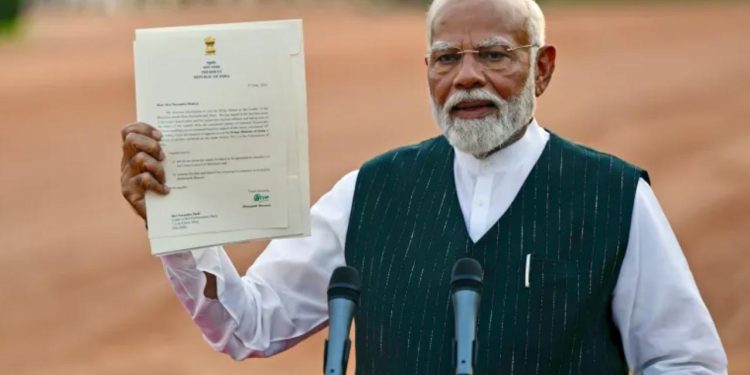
[474, 51]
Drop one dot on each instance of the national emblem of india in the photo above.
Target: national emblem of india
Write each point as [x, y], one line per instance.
[210, 49]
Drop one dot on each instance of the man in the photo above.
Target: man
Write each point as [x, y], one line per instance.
[583, 274]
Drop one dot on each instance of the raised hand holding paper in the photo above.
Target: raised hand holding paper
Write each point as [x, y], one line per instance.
[230, 103]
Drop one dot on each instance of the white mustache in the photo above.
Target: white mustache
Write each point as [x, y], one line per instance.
[476, 94]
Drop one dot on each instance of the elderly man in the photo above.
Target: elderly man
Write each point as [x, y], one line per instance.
[583, 274]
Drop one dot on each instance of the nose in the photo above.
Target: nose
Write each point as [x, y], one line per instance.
[470, 74]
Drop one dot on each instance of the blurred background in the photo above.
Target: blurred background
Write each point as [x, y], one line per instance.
[661, 84]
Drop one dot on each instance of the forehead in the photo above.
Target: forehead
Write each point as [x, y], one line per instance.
[472, 21]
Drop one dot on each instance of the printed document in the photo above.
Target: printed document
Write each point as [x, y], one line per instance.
[230, 102]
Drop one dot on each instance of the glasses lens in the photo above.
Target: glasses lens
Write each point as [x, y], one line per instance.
[444, 61]
[495, 58]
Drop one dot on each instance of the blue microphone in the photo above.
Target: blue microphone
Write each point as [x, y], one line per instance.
[466, 293]
[343, 299]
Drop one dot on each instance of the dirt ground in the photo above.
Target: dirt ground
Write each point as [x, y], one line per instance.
[662, 86]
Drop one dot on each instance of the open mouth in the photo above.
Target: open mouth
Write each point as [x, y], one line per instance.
[471, 109]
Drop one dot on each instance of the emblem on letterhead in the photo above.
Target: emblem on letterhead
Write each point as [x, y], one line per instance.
[210, 49]
[259, 199]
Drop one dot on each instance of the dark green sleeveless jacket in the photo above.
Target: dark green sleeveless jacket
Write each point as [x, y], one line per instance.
[406, 231]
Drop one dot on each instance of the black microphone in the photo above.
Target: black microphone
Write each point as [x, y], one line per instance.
[343, 299]
[466, 291]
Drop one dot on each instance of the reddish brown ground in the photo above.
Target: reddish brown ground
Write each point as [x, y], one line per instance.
[664, 87]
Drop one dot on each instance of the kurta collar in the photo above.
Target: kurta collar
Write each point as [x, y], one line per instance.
[520, 154]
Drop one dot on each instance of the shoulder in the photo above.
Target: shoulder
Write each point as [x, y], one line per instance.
[402, 166]
[407, 154]
[603, 159]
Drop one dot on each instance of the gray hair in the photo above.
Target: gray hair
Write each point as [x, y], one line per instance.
[535, 24]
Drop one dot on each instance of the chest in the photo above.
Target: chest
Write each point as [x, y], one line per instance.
[550, 264]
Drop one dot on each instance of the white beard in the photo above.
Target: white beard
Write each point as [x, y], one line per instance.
[481, 136]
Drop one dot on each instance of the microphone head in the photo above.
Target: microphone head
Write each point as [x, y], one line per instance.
[345, 283]
[467, 274]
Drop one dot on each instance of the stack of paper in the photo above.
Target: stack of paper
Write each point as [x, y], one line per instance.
[230, 102]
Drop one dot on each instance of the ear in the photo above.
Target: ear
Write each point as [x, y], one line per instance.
[545, 66]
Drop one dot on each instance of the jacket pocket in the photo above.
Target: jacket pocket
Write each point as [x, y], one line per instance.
[543, 273]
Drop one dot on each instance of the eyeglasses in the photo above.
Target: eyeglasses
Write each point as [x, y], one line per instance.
[497, 58]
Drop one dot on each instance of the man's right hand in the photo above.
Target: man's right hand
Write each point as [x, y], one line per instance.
[141, 165]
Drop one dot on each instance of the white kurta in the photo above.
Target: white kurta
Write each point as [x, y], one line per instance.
[664, 324]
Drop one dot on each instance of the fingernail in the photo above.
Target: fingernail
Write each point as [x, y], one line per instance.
[162, 155]
[157, 134]
[166, 188]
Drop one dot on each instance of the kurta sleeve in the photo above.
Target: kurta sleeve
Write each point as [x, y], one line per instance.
[282, 297]
[665, 326]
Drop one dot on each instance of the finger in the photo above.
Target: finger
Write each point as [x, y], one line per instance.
[140, 128]
[140, 207]
[137, 201]
[143, 162]
[135, 143]
[133, 194]
[148, 182]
